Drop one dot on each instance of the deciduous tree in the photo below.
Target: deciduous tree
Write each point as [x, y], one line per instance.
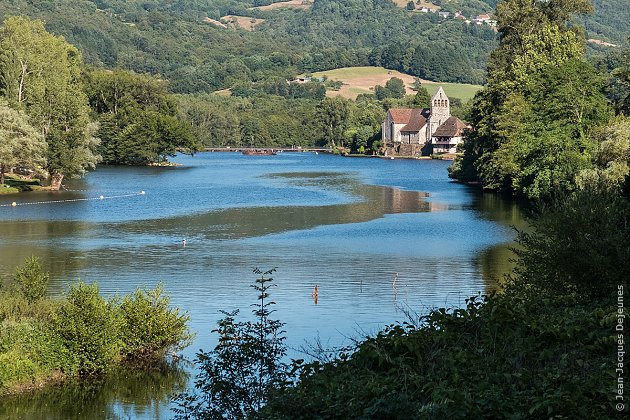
[40, 74]
[333, 115]
[532, 123]
[20, 143]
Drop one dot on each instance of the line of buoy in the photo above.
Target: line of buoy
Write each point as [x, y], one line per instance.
[70, 200]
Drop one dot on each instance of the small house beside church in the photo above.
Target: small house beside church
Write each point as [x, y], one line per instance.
[416, 132]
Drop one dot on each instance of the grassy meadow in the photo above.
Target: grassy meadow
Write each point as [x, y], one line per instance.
[357, 80]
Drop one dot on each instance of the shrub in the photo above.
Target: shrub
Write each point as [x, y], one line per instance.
[504, 357]
[31, 279]
[89, 327]
[82, 334]
[28, 352]
[239, 376]
[149, 327]
[580, 245]
[15, 367]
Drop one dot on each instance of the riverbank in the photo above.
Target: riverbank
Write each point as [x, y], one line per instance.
[14, 183]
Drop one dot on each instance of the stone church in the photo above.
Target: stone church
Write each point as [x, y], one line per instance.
[416, 132]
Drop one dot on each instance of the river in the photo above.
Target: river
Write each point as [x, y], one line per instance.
[380, 238]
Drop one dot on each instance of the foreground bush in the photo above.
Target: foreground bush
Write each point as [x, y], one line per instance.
[546, 346]
[150, 327]
[81, 334]
[499, 358]
[237, 378]
[90, 329]
[580, 247]
[31, 279]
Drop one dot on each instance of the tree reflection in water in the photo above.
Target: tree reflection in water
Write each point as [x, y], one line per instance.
[125, 393]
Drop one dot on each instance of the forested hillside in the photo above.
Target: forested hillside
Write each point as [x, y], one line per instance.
[608, 22]
[175, 40]
[183, 47]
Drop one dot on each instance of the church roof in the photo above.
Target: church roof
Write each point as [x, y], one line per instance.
[414, 119]
[452, 127]
[400, 115]
[440, 94]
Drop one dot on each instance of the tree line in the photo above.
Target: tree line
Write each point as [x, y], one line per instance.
[50, 127]
[548, 122]
[62, 117]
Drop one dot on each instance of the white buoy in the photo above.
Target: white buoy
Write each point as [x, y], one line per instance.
[142, 193]
[101, 197]
[13, 204]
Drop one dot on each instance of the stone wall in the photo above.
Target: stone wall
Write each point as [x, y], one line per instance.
[398, 149]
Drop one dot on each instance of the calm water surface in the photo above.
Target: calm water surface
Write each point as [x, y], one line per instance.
[375, 235]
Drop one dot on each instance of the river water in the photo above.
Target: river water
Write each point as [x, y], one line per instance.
[380, 238]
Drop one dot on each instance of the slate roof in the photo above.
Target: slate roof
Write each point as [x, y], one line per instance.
[452, 127]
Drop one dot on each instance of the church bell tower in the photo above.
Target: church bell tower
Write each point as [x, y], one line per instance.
[440, 110]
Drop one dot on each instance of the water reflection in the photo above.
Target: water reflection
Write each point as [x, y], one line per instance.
[370, 202]
[128, 393]
[415, 240]
[45, 239]
[70, 239]
[505, 210]
[498, 261]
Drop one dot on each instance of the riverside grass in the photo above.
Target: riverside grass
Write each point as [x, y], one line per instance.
[15, 184]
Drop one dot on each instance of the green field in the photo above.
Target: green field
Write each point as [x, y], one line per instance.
[453, 90]
[354, 72]
[359, 80]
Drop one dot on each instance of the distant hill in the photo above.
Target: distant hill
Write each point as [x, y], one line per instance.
[261, 39]
[610, 22]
